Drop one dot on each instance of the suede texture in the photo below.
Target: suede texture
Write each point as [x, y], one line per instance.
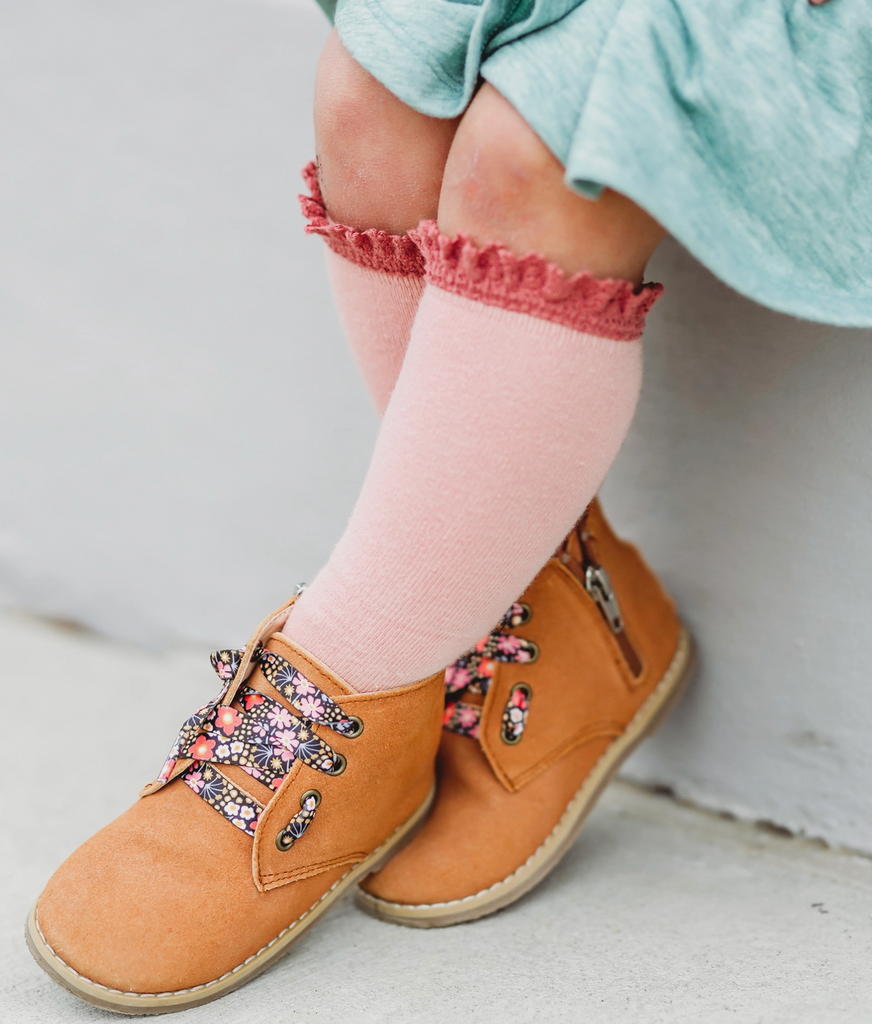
[497, 803]
[587, 685]
[163, 899]
[393, 758]
[171, 895]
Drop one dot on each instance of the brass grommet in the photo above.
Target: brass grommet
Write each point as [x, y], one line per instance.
[358, 723]
[284, 840]
[527, 613]
[505, 736]
[534, 654]
[340, 764]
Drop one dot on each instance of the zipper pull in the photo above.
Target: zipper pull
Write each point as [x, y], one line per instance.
[599, 586]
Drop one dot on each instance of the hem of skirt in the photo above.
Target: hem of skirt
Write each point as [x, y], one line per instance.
[445, 96]
[750, 280]
[753, 280]
[587, 174]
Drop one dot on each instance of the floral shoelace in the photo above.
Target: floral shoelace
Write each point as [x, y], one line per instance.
[260, 736]
[473, 671]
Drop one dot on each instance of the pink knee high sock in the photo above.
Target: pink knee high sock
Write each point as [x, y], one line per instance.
[377, 282]
[515, 395]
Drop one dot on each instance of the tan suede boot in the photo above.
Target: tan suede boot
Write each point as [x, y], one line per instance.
[278, 795]
[539, 717]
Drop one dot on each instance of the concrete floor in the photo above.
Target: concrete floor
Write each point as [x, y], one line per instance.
[659, 913]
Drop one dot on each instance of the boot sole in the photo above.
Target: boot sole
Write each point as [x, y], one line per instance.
[141, 1004]
[644, 723]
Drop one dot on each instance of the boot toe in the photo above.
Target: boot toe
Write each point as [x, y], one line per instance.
[149, 903]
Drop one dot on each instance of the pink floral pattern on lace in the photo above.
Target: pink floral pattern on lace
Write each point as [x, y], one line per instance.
[219, 792]
[515, 713]
[297, 826]
[462, 718]
[226, 663]
[474, 671]
[261, 737]
[257, 734]
[311, 702]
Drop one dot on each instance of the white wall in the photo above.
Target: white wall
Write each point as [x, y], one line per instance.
[747, 480]
[183, 432]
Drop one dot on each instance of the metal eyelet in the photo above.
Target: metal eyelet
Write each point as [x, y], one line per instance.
[527, 614]
[339, 766]
[534, 654]
[512, 731]
[358, 723]
[284, 840]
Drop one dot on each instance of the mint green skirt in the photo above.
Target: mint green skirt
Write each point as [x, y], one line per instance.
[743, 126]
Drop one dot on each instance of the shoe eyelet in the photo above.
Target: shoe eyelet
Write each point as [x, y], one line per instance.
[512, 729]
[526, 613]
[534, 654]
[339, 766]
[284, 840]
[358, 727]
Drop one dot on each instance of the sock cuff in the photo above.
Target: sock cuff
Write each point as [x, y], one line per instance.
[493, 275]
[373, 249]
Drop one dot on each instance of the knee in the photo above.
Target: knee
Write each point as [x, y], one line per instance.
[380, 162]
[347, 100]
[503, 184]
[496, 168]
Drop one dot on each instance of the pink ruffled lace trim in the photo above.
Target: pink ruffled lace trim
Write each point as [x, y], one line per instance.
[530, 284]
[376, 250]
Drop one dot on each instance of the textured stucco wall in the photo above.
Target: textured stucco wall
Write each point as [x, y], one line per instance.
[183, 432]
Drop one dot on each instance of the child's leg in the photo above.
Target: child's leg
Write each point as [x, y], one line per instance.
[379, 173]
[380, 162]
[502, 183]
[511, 405]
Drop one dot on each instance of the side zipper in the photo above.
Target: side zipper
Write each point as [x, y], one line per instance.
[599, 586]
[595, 580]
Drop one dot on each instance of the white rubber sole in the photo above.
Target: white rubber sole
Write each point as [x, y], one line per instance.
[546, 857]
[143, 1003]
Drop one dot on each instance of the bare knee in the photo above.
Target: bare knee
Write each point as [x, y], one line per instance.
[502, 183]
[380, 162]
[495, 165]
[353, 110]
